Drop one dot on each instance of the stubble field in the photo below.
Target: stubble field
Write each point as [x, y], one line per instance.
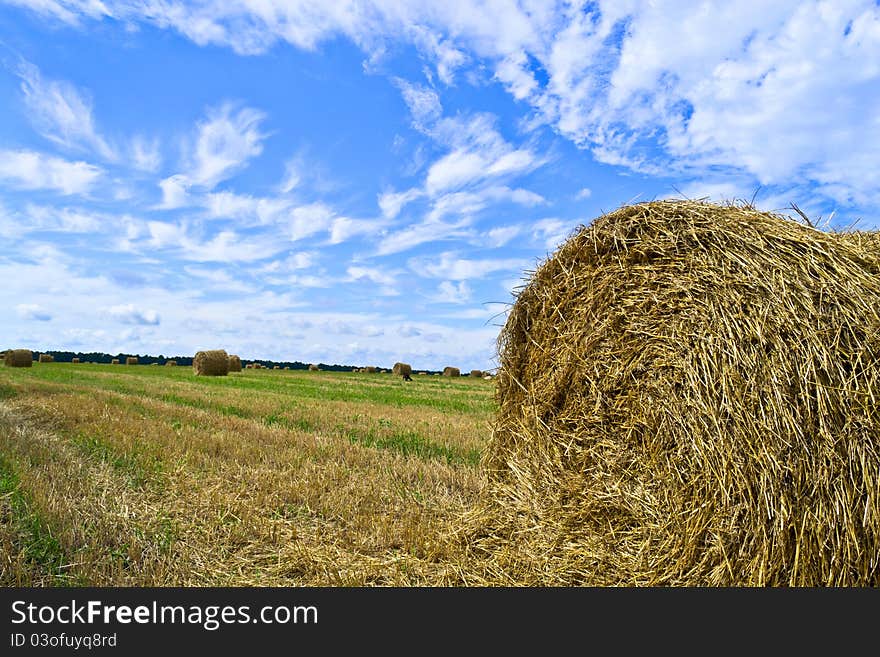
[115, 475]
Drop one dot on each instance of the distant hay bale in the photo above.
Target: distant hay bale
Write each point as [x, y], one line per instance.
[154, 364]
[488, 377]
[369, 369]
[436, 373]
[477, 374]
[277, 367]
[257, 366]
[45, 358]
[74, 360]
[115, 361]
[287, 367]
[421, 373]
[402, 369]
[212, 362]
[131, 360]
[234, 363]
[170, 363]
[249, 366]
[688, 396]
[313, 368]
[18, 358]
[451, 371]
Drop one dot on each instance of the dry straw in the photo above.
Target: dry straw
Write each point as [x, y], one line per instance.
[402, 369]
[234, 363]
[451, 371]
[213, 362]
[18, 358]
[45, 358]
[131, 360]
[689, 396]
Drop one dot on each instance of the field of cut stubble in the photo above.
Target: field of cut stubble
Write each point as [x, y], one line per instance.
[150, 476]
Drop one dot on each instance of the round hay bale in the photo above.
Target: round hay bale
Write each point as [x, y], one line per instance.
[18, 358]
[131, 360]
[402, 369]
[277, 367]
[477, 374]
[74, 360]
[287, 367]
[422, 373]
[370, 369]
[213, 362]
[249, 366]
[234, 363]
[170, 363]
[313, 368]
[451, 371]
[687, 396]
[115, 361]
[46, 358]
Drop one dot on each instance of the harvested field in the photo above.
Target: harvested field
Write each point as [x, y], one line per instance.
[152, 476]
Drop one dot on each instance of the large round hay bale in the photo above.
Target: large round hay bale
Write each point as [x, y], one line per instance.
[170, 363]
[213, 362]
[18, 358]
[370, 369]
[476, 374]
[234, 363]
[402, 369]
[688, 396]
[313, 368]
[451, 371]
[75, 361]
[114, 361]
[131, 360]
[45, 358]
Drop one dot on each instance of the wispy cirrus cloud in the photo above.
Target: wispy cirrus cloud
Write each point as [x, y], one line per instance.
[61, 112]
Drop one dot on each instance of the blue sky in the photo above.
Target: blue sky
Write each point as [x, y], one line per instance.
[367, 182]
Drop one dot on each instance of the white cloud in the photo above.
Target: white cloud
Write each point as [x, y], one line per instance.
[651, 86]
[415, 234]
[31, 311]
[68, 11]
[129, 314]
[500, 235]
[226, 140]
[292, 176]
[391, 203]
[61, 112]
[67, 220]
[583, 194]
[375, 274]
[448, 266]
[448, 292]
[307, 220]
[32, 170]
[553, 231]
[423, 103]
[343, 229]
[145, 154]
[174, 192]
